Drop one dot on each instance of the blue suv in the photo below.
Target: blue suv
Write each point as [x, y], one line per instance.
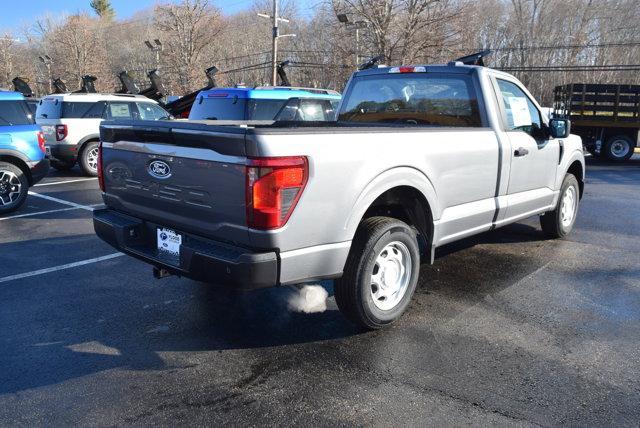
[282, 103]
[22, 153]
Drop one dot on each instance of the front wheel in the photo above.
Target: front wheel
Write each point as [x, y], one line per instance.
[559, 222]
[89, 159]
[14, 187]
[381, 273]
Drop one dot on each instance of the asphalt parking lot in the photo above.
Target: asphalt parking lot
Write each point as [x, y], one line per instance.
[506, 328]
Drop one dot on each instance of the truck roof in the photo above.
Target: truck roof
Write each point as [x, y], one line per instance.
[273, 92]
[97, 96]
[452, 67]
[10, 96]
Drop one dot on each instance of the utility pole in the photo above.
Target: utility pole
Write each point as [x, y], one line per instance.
[275, 19]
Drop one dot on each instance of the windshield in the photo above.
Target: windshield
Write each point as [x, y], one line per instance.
[14, 112]
[415, 98]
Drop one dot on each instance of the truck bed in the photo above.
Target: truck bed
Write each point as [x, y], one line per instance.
[598, 104]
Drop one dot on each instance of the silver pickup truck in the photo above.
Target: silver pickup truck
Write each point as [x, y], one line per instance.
[420, 156]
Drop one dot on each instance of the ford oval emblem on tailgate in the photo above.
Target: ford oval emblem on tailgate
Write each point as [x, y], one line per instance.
[159, 169]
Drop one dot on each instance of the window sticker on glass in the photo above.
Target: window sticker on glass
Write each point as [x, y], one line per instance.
[519, 111]
[120, 110]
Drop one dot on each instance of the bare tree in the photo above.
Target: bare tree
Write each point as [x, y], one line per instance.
[188, 28]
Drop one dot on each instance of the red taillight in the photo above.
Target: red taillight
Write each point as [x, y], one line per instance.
[41, 141]
[61, 132]
[274, 186]
[408, 69]
[99, 167]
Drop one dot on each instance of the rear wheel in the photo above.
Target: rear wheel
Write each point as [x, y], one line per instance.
[62, 166]
[559, 222]
[89, 158]
[14, 187]
[381, 273]
[619, 148]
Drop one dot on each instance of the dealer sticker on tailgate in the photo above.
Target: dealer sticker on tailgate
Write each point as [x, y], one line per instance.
[169, 241]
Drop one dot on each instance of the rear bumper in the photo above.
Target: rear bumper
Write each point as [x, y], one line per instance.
[200, 259]
[67, 153]
[39, 170]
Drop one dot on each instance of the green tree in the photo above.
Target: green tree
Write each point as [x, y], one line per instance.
[103, 8]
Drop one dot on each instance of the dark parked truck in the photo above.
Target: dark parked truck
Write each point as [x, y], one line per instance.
[607, 117]
[419, 157]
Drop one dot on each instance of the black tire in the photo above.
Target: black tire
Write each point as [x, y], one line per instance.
[62, 166]
[619, 148]
[87, 161]
[552, 221]
[353, 292]
[12, 178]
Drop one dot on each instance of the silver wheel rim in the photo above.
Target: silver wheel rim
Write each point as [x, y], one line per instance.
[10, 188]
[569, 206]
[620, 148]
[92, 159]
[391, 275]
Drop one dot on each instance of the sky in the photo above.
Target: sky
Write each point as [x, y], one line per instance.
[15, 15]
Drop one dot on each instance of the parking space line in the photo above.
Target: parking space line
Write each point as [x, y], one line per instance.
[65, 181]
[60, 201]
[61, 267]
[39, 212]
[46, 212]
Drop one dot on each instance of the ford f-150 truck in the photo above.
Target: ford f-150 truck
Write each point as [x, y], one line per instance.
[419, 156]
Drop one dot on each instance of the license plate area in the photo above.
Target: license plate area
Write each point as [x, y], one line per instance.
[168, 244]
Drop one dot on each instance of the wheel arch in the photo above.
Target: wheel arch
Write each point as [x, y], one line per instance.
[88, 139]
[403, 193]
[576, 167]
[19, 160]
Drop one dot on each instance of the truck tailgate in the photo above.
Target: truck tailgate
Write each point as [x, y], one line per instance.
[178, 174]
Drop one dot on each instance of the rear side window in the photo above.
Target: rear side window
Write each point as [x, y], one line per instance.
[75, 110]
[415, 98]
[14, 112]
[96, 111]
[49, 108]
[264, 109]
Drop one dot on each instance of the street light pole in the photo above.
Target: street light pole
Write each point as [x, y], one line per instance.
[275, 19]
[357, 25]
[274, 46]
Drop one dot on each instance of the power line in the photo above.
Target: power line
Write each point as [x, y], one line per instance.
[533, 68]
[552, 47]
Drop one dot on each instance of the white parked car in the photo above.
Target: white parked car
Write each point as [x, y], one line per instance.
[71, 124]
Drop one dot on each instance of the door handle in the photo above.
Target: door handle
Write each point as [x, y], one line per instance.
[520, 151]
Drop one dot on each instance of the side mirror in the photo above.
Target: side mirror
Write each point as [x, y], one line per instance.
[559, 128]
